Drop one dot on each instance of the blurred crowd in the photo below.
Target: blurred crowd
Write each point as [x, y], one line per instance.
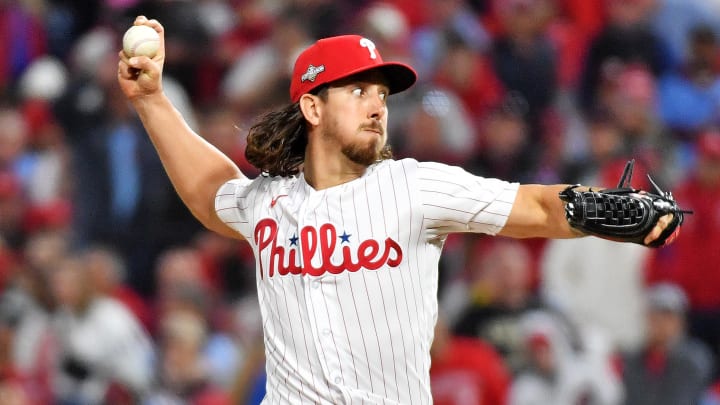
[110, 292]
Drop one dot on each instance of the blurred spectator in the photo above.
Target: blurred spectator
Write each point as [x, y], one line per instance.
[18, 382]
[260, 76]
[8, 264]
[471, 76]
[186, 36]
[66, 21]
[670, 368]
[417, 12]
[178, 268]
[597, 284]
[448, 21]
[183, 286]
[78, 170]
[248, 386]
[575, 23]
[253, 21]
[323, 18]
[228, 266]
[219, 126]
[604, 146]
[466, 371]
[689, 96]
[22, 39]
[122, 196]
[44, 79]
[30, 301]
[100, 341]
[504, 143]
[106, 272]
[674, 20]
[34, 168]
[12, 211]
[712, 395]
[559, 373]
[45, 168]
[629, 94]
[222, 22]
[388, 27]
[499, 294]
[689, 263]
[437, 128]
[217, 17]
[13, 387]
[13, 140]
[183, 377]
[525, 59]
[627, 38]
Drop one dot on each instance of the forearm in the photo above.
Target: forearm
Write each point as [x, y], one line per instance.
[556, 224]
[539, 212]
[195, 167]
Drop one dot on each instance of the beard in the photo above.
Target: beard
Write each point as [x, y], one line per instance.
[362, 155]
[360, 152]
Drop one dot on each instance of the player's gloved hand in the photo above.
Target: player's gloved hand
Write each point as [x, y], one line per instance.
[141, 76]
[625, 214]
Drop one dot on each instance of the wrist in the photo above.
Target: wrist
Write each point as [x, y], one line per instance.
[149, 101]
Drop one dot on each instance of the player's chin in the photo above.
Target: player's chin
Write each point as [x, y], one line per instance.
[364, 155]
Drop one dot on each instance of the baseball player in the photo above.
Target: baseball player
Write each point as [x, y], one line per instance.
[346, 239]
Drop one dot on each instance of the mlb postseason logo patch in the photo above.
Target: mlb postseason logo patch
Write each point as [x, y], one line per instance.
[312, 73]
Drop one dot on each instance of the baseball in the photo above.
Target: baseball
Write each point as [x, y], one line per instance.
[141, 40]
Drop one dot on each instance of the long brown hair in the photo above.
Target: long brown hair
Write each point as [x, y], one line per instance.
[276, 142]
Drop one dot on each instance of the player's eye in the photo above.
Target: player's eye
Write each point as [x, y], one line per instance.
[383, 95]
[357, 91]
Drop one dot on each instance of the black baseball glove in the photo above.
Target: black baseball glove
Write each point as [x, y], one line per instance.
[622, 214]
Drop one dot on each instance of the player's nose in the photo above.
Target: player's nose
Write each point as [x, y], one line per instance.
[377, 108]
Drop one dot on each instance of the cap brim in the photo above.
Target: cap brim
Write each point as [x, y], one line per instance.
[400, 76]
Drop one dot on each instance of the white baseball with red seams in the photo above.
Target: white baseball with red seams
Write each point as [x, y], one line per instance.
[141, 40]
[347, 277]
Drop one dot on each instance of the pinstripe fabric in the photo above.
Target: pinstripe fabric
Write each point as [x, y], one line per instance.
[347, 276]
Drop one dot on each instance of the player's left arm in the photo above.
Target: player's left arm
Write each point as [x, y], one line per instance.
[539, 212]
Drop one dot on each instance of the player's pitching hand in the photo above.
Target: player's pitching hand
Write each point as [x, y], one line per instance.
[140, 76]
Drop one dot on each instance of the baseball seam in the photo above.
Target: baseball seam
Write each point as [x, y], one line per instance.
[139, 42]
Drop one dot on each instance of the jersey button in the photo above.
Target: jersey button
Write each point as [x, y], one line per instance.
[326, 332]
[315, 284]
[338, 380]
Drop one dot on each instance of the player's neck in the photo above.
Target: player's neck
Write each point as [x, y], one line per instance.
[325, 170]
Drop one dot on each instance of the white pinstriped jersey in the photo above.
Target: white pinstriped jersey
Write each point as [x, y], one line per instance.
[347, 276]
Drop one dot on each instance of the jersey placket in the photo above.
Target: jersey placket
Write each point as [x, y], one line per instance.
[320, 327]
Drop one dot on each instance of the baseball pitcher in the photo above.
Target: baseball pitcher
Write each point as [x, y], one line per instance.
[346, 239]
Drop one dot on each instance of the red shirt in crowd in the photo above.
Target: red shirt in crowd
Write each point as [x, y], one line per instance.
[469, 372]
[691, 261]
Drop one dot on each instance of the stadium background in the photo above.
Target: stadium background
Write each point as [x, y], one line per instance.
[94, 243]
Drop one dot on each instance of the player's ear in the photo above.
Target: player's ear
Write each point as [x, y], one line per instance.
[310, 107]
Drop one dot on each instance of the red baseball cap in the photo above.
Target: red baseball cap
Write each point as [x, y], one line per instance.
[334, 58]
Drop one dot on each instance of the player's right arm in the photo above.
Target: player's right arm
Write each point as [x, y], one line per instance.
[195, 167]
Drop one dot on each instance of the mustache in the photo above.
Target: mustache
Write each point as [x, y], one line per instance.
[373, 126]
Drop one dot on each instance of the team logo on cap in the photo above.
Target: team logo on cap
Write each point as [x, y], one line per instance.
[312, 73]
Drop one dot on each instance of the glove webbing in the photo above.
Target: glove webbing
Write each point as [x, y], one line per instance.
[613, 210]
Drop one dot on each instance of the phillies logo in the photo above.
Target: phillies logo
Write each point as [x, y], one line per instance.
[370, 254]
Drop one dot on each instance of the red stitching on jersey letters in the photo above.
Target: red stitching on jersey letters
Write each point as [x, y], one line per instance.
[368, 254]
